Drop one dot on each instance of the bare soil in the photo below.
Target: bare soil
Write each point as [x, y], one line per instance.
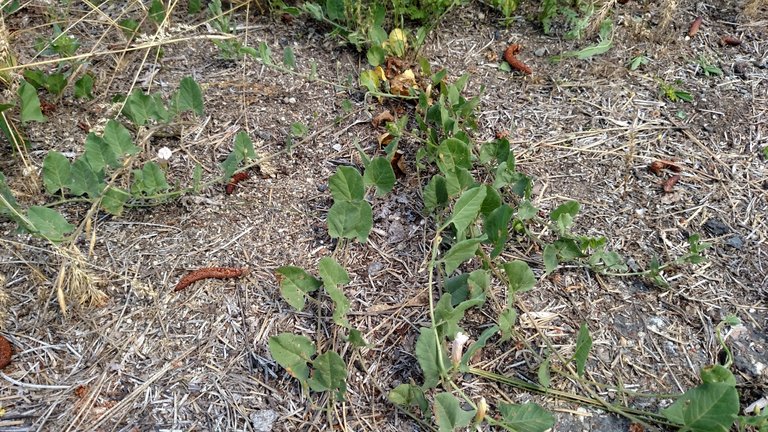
[585, 130]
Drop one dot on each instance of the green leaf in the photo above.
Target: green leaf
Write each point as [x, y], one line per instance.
[350, 219]
[84, 181]
[406, 395]
[197, 176]
[507, 319]
[157, 11]
[431, 356]
[717, 374]
[526, 210]
[244, 147]
[497, 149]
[334, 275]
[114, 199]
[99, 154]
[329, 373]
[435, 193]
[265, 54]
[9, 204]
[448, 413]
[466, 209]
[710, 407]
[49, 223]
[458, 253]
[356, 338]
[453, 153]
[119, 139]
[527, 417]
[292, 352]
[543, 373]
[149, 180]
[379, 173]
[583, 345]
[376, 55]
[193, 7]
[230, 164]
[550, 258]
[447, 317]
[491, 202]
[295, 284]
[481, 342]
[140, 108]
[289, 59]
[189, 97]
[603, 46]
[30, 104]
[496, 227]
[564, 214]
[57, 172]
[346, 184]
[520, 276]
[55, 83]
[335, 9]
[84, 87]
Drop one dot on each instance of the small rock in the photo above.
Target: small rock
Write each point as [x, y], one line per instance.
[735, 242]
[337, 147]
[540, 52]
[716, 227]
[262, 420]
[375, 267]
[396, 232]
[290, 100]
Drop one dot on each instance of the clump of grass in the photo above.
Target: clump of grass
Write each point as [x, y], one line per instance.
[76, 282]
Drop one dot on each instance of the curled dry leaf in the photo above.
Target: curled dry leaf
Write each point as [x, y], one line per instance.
[730, 40]
[384, 139]
[402, 84]
[6, 351]
[398, 163]
[210, 273]
[658, 166]
[670, 183]
[382, 118]
[237, 178]
[394, 67]
[694, 28]
[509, 57]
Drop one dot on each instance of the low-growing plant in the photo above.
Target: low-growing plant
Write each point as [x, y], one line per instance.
[673, 92]
[707, 68]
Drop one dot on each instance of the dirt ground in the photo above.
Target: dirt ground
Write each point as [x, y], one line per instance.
[152, 359]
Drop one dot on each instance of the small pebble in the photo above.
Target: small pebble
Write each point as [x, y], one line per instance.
[337, 147]
[540, 52]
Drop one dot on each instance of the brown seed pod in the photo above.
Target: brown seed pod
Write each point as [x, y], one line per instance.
[6, 351]
[730, 41]
[509, 57]
[237, 178]
[210, 273]
[695, 26]
[670, 183]
[656, 167]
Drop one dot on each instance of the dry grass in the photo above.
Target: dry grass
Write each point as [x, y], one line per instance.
[143, 357]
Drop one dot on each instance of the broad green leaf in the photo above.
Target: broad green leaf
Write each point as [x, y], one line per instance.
[119, 139]
[491, 202]
[520, 277]
[544, 374]
[448, 413]
[709, 407]
[356, 338]
[406, 395]
[550, 258]
[497, 150]
[295, 284]
[230, 164]
[717, 374]
[244, 147]
[496, 227]
[57, 172]
[265, 54]
[527, 417]
[84, 181]
[564, 214]
[435, 193]
[292, 352]
[30, 104]
[481, 341]
[467, 286]
[114, 199]
[289, 59]
[49, 223]
[329, 373]
[466, 209]
[431, 356]
[149, 180]
[603, 46]
[379, 173]
[453, 153]
[458, 253]
[99, 154]
[193, 7]
[350, 219]
[335, 10]
[334, 275]
[526, 210]
[36, 77]
[447, 317]
[138, 107]
[55, 83]
[189, 96]
[583, 345]
[507, 319]
[346, 184]
[9, 203]
[567, 249]
[376, 55]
